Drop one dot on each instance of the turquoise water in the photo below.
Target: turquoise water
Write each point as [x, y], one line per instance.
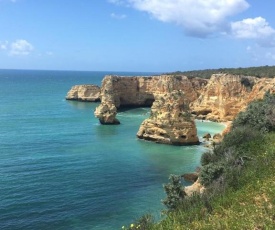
[60, 169]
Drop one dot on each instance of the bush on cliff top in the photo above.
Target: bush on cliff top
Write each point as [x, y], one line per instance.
[260, 115]
[239, 176]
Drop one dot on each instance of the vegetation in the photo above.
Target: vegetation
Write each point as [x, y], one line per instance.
[261, 71]
[239, 178]
[175, 193]
[259, 114]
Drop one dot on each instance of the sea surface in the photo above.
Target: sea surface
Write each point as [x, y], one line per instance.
[61, 169]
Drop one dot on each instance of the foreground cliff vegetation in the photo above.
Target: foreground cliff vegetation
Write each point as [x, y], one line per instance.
[261, 71]
[239, 178]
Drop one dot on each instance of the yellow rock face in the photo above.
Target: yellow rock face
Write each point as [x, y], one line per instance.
[140, 91]
[170, 122]
[226, 95]
[219, 99]
[84, 93]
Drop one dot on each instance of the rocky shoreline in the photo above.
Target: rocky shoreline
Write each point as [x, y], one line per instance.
[173, 99]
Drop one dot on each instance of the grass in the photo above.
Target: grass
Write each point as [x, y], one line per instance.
[250, 205]
[239, 176]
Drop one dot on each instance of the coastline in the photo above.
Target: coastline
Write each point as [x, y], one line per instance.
[197, 187]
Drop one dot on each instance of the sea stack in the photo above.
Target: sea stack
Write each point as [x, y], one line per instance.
[106, 113]
[170, 121]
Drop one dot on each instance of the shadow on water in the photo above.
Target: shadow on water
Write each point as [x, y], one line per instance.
[79, 105]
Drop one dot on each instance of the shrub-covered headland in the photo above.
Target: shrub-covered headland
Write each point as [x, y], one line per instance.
[239, 180]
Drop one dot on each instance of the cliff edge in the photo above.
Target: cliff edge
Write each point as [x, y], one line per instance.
[226, 95]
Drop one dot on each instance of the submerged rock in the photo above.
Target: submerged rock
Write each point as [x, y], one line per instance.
[206, 136]
[170, 121]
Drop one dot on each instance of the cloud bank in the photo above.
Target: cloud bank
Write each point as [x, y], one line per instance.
[199, 18]
[203, 18]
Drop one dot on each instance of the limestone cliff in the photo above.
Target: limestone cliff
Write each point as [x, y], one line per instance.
[84, 93]
[169, 122]
[226, 95]
[117, 91]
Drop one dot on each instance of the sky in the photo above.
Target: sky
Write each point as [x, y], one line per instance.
[136, 35]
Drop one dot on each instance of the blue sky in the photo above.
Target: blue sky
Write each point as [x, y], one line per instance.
[136, 35]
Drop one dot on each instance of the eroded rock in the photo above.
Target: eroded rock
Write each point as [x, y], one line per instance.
[84, 93]
[170, 121]
[226, 95]
[140, 91]
[106, 113]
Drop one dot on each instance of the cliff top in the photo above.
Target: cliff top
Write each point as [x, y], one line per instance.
[260, 72]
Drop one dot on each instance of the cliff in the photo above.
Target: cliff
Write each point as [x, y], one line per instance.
[170, 121]
[219, 99]
[117, 91]
[84, 93]
[226, 95]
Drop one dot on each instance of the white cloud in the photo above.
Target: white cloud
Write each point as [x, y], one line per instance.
[199, 18]
[118, 16]
[4, 45]
[254, 28]
[20, 47]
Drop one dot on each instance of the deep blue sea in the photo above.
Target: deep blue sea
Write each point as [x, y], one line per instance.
[61, 169]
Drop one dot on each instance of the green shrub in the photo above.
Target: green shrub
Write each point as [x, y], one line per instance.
[208, 157]
[211, 172]
[174, 191]
[260, 115]
[236, 140]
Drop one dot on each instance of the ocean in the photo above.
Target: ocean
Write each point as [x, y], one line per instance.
[61, 169]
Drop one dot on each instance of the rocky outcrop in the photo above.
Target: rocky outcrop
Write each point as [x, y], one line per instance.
[206, 136]
[107, 114]
[84, 93]
[170, 121]
[226, 95]
[191, 177]
[196, 188]
[117, 91]
[219, 99]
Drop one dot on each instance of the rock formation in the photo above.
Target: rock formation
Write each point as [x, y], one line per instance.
[196, 188]
[219, 99]
[170, 121]
[84, 93]
[140, 91]
[106, 112]
[226, 95]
